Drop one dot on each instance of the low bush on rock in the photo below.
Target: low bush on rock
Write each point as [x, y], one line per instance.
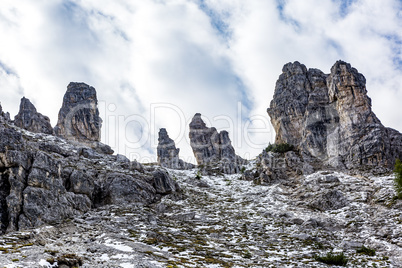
[398, 178]
[366, 251]
[335, 259]
[279, 148]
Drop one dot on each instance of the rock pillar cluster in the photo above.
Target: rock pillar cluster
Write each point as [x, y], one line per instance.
[329, 117]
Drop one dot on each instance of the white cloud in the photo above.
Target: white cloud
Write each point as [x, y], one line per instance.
[156, 63]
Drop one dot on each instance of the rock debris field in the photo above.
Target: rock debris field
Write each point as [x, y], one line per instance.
[223, 221]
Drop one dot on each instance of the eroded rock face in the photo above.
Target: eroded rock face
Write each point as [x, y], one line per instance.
[213, 148]
[46, 180]
[79, 119]
[329, 117]
[79, 116]
[28, 118]
[168, 154]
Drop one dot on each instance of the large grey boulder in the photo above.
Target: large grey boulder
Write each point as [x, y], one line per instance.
[28, 118]
[328, 117]
[168, 154]
[211, 147]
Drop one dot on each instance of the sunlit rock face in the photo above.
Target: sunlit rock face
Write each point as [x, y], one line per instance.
[329, 117]
[28, 118]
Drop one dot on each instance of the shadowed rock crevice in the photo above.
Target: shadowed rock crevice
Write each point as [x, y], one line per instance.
[4, 192]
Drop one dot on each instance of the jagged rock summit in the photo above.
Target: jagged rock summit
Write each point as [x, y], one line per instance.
[28, 118]
[329, 117]
[79, 119]
[212, 148]
[168, 154]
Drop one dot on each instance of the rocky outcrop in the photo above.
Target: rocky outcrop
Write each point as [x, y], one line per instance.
[328, 117]
[4, 116]
[168, 154]
[79, 119]
[211, 148]
[45, 179]
[28, 118]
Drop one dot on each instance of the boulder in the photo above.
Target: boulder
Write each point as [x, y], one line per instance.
[28, 118]
[328, 117]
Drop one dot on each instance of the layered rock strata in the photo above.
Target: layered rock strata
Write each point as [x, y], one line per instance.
[213, 148]
[329, 117]
[28, 118]
[168, 154]
[79, 119]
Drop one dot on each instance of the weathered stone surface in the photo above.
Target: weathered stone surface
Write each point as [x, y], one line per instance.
[162, 182]
[211, 148]
[46, 180]
[28, 118]
[79, 116]
[329, 118]
[168, 154]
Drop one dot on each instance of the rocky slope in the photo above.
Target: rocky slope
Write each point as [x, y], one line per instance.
[66, 201]
[223, 221]
[329, 117]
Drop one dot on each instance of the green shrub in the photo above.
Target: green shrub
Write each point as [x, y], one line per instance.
[366, 251]
[330, 258]
[279, 148]
[398, 178]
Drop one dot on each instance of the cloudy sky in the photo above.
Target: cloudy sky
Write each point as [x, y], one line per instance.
[155, 63]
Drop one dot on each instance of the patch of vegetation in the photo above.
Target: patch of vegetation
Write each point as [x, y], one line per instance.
[335, 259]
[279, 148]
[242, 170]
[398, 178]
[247, 254]
[15, 260]
[198, 176]
[51, 252]
[366, 251]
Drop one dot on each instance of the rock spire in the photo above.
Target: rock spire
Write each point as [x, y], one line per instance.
[28, 118]
[168, 154]
[79, 115]
[211, 147]
[79, 119]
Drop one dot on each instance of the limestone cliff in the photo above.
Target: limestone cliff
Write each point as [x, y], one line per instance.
[329, 117]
